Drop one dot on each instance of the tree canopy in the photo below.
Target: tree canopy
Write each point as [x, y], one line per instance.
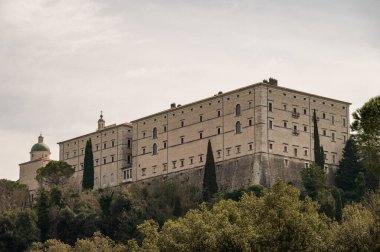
[54, 174]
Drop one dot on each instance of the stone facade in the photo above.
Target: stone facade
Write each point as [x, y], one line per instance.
[39, 157]
[112, 151]
[258, 133]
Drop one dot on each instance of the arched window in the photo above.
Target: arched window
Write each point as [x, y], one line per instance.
[238, 127]
[154, 149]
[238, 110]
[154, 133]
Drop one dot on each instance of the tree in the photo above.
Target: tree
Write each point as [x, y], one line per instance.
[210, 187]
[54, 174]
[18, 230]
[349, 167]
[338, 204]
[319, 155]
[177, 211]
[367, 126]
[88, 168]
[12, 195]
[43, 221]
[314, 181]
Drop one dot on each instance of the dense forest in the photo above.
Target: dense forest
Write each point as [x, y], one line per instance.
[176, 217]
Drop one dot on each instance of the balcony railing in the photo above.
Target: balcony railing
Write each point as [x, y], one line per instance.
[295, 114]
[295, 132]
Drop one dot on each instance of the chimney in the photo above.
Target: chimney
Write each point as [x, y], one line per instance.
[172, 106]
[273, 81]
[220, 92]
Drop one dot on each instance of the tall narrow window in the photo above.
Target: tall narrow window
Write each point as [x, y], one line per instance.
[250, 122]
[238, 110]
[154, 149]
[332, 120]
[200, 135]
[182, 140]
[238, 127]
[154, 133]
[201, 118]
[333, 136]
[270, 124]
[219, 131]
[344, 122]
[219, 113]
[270, 107]
[295, 152]
[182, 123]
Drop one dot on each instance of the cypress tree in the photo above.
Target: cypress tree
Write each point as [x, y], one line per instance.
[88, 168]
[319, 155]
[210, 187]
[43, 215]
[349, 167]
[338, 204]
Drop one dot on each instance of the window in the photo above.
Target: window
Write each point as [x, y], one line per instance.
[104, 160]
[182, 162]
[67, 155]
[165, 167]
[344, 122]
[143, 150]
[219, 113]
[270, 124]
[324, 115]
[325, 156]
[295, 128]
[219, 131]
[270, 146]
[238, 149]
[200, 158]
[112, 158]
[165, 128]
[81, 151]
[129, 159]
[75, 153]
[284, 107]
[154, 149]
[165, 144]
[154, 168]
[219, 152]
[144, 134]
[270, 107]
[201, 118]
[97, 147]
[250, 122]
[333, 157]
[200, 135]
[238, 110]
[113, 143]
[344, 139]
[182, 140]
[105, 146]
[324, 132]
[295, 152]
[154, 133]
[305, 128]
[81, 165]
[228, 151]
[174, 164]
[306, 165]
[182, 124]
[306, 152]
[129, 144]
[285, 148]
[97, 161]
[294, 110]
[285, 124]
[286, 162]
[250, 146]
[127, 174]
[238, 127]
[333, 136]
[304, 111]
[332, 120]
[191, 160]
[143, 170]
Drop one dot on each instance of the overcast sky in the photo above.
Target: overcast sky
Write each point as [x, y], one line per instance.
[61, 62]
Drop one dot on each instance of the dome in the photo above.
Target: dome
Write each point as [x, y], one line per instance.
[40, 146]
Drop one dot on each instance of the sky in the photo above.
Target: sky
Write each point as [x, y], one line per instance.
[63, 61]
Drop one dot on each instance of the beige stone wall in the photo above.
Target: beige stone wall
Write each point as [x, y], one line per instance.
[256, 137]
[28, 172]
[112, 149]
